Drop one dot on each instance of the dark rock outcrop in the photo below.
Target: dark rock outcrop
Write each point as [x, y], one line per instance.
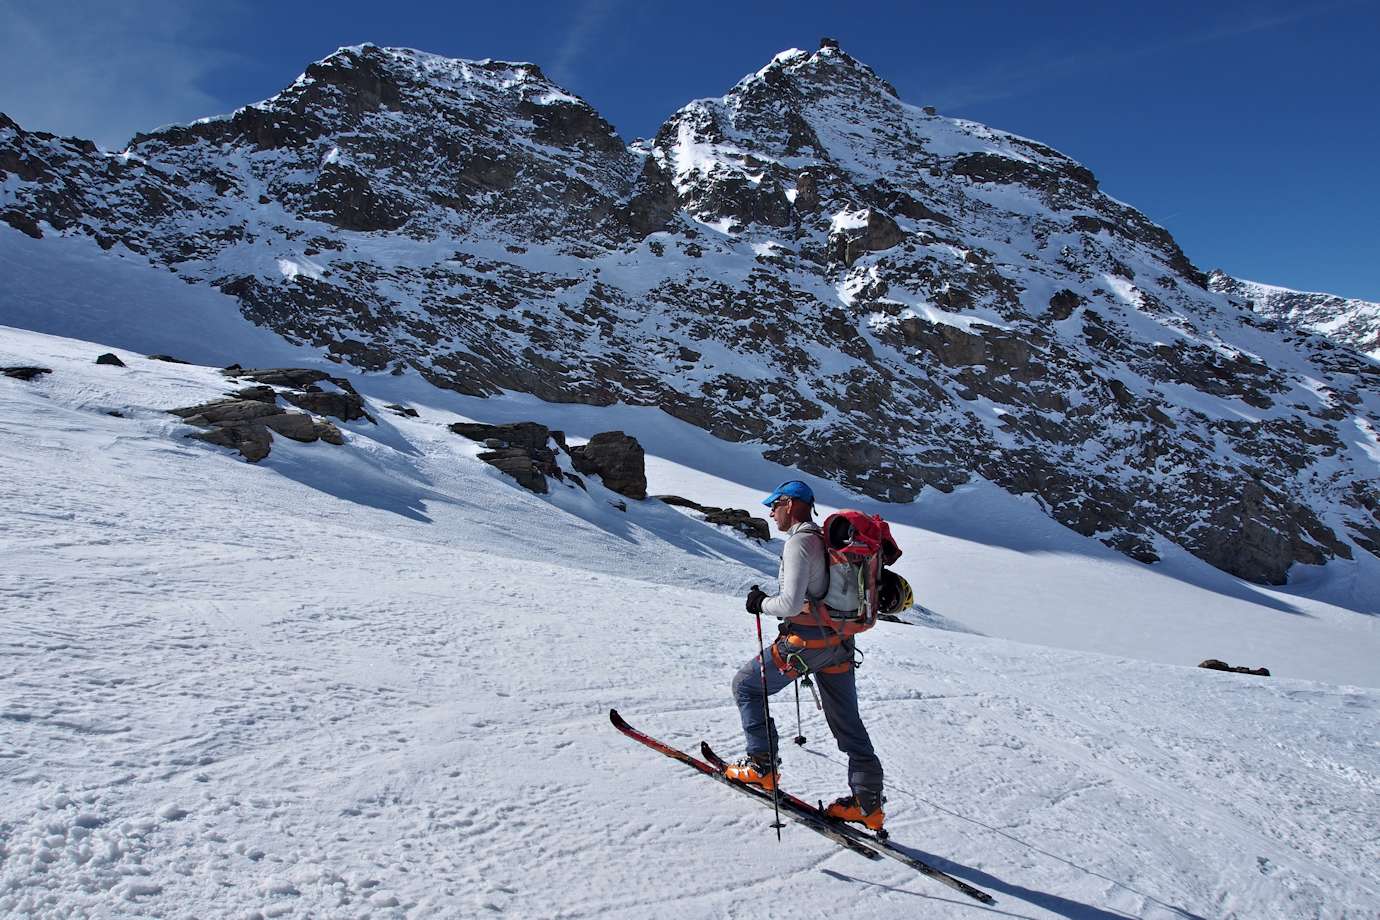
[653, 203]
[295, 425]
[226, 410]
[253, 441]
[737, 518]
[346, 199]
[234, 423]
[111, 359]
[529, 435]
[618, 459]
[529, 467]
[1063, 303]
[302, 390]
[260, 393]
[25, 372]
[347, 407]
[520, 449]
[280, 376]
[1214, 664]
[878, 232]
[328, 432]
[248, 418]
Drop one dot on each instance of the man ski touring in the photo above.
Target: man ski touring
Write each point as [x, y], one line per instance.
[807, 646]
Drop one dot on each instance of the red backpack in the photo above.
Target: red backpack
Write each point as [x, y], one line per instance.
[858, 546]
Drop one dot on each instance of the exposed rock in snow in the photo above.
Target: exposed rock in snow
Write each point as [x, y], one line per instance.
[260, 393]
[530, 435]
[344, 406]
[296, 425]
[250, 438]
[737, 518]
[227, 410]
[1213, 664]
[520, 449]
[617, 459]
[25, 372]
[280, 376]
[243, 421]
[874, 232]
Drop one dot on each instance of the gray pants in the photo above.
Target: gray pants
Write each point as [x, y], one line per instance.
[838, 693]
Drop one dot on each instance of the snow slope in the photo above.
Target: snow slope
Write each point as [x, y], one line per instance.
[372, 681]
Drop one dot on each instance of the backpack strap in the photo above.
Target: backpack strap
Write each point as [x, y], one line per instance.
[813, 528]
[813, 612]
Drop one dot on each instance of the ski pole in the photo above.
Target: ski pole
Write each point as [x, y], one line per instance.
[771, 736]
[799, 730]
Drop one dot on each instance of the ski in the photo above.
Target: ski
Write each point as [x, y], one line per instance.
[807, 817]
[882, 845]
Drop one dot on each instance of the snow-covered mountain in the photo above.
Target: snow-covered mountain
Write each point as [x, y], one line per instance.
[863, 289]
[1347, 320]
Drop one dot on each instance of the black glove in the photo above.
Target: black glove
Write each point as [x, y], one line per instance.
[755, 598]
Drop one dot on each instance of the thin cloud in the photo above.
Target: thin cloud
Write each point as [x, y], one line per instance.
[584, 31]
[105, 71]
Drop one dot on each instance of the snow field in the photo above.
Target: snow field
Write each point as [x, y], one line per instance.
[372, 681]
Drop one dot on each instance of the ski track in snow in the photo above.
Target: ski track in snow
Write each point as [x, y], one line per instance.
[372, 681]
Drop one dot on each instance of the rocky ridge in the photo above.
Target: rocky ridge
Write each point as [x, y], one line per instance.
[875, 293]
[1346, 320]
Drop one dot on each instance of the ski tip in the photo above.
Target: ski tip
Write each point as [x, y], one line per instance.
[708, 754]
[618, 721]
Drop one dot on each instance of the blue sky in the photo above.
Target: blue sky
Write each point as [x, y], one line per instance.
[1250, 130]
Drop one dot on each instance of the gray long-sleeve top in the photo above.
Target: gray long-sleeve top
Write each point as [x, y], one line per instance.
[804, 571]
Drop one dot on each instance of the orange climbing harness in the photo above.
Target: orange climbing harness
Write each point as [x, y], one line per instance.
[793, 666]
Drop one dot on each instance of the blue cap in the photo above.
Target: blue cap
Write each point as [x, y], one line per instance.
[793, 489]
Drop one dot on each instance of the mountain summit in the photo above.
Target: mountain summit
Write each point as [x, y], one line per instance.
[875, 293]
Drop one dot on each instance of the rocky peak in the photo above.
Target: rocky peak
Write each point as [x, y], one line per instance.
[373, 139]
[827, 71]
[341, 90]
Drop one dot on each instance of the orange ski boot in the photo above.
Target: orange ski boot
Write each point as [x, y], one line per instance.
[848, 809]
[754, 770]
